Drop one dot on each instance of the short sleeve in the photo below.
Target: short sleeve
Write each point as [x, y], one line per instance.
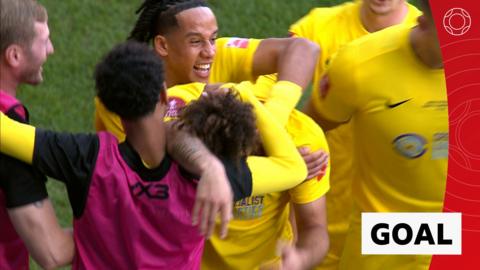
[180, 96]
[305, 132]
[336, 97]
[21, 183]
[234, 59]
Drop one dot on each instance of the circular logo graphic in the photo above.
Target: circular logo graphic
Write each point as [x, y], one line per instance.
[457, 21]
[410, 145]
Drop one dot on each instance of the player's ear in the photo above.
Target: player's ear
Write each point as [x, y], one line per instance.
[160, 45]
[13, 55]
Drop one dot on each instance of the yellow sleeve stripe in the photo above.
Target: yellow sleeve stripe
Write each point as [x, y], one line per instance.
[16, 139]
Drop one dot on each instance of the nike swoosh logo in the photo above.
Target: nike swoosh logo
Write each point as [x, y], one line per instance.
[391, 106]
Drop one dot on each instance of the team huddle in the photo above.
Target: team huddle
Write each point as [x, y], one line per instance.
[202, 158]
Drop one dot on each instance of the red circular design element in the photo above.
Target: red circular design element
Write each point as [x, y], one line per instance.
[457, 21]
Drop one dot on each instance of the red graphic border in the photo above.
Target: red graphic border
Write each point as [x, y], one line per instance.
[461, 55]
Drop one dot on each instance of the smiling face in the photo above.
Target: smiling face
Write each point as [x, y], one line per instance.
[36, 55]
[189, 48]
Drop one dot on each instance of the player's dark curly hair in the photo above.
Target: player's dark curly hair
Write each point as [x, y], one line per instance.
[129, 80]
[158, 16]
[225, 124]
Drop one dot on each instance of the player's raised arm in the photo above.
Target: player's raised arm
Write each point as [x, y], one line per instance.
[284, 163]
[294, 59]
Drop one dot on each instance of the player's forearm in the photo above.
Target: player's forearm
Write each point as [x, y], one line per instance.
[297, 63]
[294, 59]
[275, 140]
[283, 162]
[312, 244]
[284, 96]
[47, 242]
[189, 151]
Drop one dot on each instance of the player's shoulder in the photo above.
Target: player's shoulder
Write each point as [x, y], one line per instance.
[369, 47]
[181, 95]
[186, 92]
[413, 11]
[224, 43]
[325, 25]
[309, 190]
[326, 15]
[299, 122]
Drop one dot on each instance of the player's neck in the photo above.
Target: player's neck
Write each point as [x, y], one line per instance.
[147, 137]
[172, 80]
[373, 22]
[7, 82]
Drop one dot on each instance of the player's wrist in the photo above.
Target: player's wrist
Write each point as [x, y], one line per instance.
[211, 163]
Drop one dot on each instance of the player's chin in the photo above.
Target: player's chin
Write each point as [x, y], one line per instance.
[202, 78]
[35, 79]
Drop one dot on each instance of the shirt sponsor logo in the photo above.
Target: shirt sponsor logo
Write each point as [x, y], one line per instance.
[440, 145]
[439, 105]
[151, 191]
[241, 43]
[175, 105]
[412, 233]
[248, 208]
[410, 145]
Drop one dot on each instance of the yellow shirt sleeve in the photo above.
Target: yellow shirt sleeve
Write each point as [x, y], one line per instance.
[16, 139]
[283, 162]
[106, 120]
[307, 133]
[279, 97]
[180, 96]
[233, 60]
[336, 99]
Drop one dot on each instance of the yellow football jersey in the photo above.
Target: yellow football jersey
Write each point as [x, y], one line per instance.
[331, 28]
[232, 63]
[259, 221]
[399, 116]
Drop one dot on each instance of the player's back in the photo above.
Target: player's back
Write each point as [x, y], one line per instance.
[134, 217]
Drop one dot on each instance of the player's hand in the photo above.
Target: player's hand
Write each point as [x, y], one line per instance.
[214, 196]
[316, 161]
